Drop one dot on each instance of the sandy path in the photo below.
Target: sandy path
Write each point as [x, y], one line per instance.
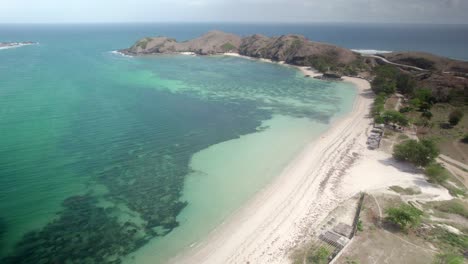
[292, 206]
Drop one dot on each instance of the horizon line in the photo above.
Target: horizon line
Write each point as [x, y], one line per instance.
[225, 22]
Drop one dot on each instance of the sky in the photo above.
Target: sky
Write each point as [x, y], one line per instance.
[92, 11]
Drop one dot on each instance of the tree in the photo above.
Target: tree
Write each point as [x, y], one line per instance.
[385, 80]
[405, 84]
[420, 153]
[392, 116]
[405, 216]
[455, 117]
[383, 85]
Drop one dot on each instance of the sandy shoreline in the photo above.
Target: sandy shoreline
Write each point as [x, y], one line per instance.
[282, 214]
[307, 71]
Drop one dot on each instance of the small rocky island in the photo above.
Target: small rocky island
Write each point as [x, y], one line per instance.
[6, 45]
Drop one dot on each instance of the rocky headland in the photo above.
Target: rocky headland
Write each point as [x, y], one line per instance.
[443, 76]
[292, 49]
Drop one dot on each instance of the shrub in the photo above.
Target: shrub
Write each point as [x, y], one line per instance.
[423, 99]
[405, 216]
[455, 117]
[406, 109]
[418, 153]
[436, 173]
[465, 139]
[360, 228]
[427, 114]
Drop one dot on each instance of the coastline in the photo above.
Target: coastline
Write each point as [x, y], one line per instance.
[286, 211]
[307, 71]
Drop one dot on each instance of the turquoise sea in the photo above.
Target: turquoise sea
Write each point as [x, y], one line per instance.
[110, 159]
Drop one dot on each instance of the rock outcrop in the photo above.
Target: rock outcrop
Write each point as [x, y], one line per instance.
[295, 49]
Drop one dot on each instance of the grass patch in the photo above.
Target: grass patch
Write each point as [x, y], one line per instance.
[447, 241]
[405, 191]
[454, 206]
[403, 137]
[454, 191]
[228, 46]
[312, 254]
[436, 173]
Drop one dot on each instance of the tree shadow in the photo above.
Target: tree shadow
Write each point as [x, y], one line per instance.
[445, 126]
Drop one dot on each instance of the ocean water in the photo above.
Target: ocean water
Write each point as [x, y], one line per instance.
[105, 158]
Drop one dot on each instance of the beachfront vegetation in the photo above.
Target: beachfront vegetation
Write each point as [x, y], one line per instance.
[378, 108]
[388, 79]
[455, 116]
[404, 216]
[395, 117]
[420, 153]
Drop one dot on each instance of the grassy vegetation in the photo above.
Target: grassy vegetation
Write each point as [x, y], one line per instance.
[447, 241]
[436, 173]
[228, 47]
[320, 256]
[402, 137]
[143, 43]
[311, 254]
[448, 258]
[455, 206]
[405, 191]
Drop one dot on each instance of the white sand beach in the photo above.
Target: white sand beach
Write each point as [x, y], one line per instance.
[282, 214]
[328, 171]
